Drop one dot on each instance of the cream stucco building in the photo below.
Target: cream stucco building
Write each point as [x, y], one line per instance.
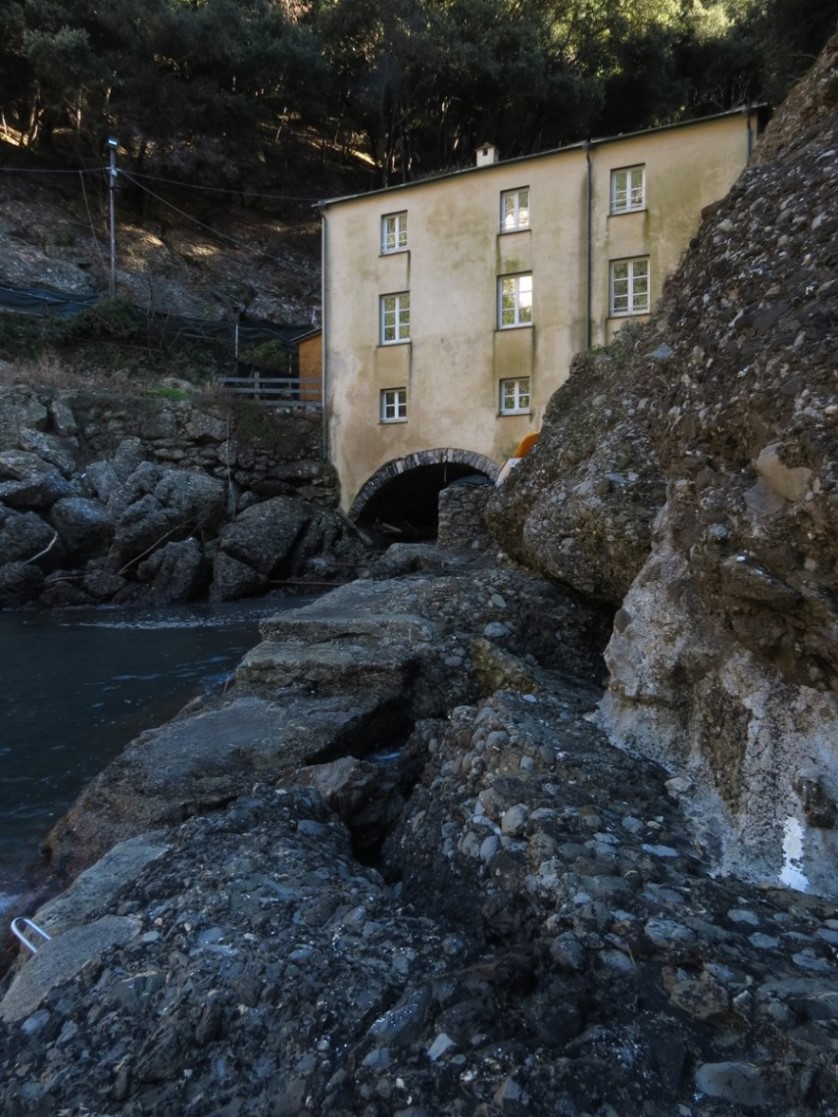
[452, 306]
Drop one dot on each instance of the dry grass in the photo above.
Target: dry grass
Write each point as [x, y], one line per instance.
[51, 371]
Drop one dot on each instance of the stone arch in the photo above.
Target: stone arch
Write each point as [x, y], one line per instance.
[466, 461]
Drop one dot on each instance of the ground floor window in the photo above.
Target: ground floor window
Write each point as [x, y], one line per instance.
[393, 405]
[515, 395]
[630, 286]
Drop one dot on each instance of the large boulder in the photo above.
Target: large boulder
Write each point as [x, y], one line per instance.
[27, 481]
[83, 526]
[23, 535]
[177, 572]
[102, 581]
[724, 657]
[167, 505]
[19, 583]
[264, 535]
[232, 579]
[101, 480]
[20, 407]
[60, 452]
[580, 507]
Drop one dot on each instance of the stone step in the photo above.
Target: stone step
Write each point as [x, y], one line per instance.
[334, 666]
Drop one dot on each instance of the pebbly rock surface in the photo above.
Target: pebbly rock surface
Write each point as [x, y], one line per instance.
[484, 909]
[112, 498]
[687, 475]
[348, 674]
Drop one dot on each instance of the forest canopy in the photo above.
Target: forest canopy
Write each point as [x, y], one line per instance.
[216, 87]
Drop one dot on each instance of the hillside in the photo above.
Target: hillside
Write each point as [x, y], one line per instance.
[182, 249]
[234, 119]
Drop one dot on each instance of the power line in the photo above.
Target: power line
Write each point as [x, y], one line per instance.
[194, 220]
[134, 178]
[51, 171]
[159, 178]
[90, 219]
[223, 190]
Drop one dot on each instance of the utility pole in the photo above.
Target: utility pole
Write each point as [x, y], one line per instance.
[113, 144]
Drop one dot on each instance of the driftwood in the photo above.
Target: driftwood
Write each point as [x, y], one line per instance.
[48, 547]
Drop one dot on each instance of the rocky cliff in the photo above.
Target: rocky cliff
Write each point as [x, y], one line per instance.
[687, 475]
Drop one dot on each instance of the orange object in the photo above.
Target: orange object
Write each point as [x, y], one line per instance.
[526, 446]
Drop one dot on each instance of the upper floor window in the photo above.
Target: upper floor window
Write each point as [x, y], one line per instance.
[628, 189]
[394, 232]
[629, 282]
[515, 395]
[514, 301]
[514, 210]
[393, 405]
[395, 318]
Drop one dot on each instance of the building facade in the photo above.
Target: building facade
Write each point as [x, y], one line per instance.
[452, 307]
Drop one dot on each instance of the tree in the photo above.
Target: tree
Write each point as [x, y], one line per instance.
[209, 86]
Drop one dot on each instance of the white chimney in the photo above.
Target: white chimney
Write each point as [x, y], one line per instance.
[487, 153]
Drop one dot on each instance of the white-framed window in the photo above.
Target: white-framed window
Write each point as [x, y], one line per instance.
[514, 301]
[629, 284]
[394, 232]
[514, 395]
[395, 318]
[628, 189]
[515, 210]
[392, 407]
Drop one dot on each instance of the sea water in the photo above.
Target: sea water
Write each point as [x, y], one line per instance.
[76, 686]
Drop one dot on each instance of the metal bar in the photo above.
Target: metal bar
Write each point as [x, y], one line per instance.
[19, 935]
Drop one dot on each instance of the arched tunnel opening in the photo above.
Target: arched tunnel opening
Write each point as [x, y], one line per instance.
[406, 506]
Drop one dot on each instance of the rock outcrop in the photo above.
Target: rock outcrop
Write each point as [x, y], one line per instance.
[688, 475]
[109, 498]
[415, 879]
[364, 662]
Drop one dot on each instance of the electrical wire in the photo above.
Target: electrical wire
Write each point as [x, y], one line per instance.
[194, 220]
[51, 171]
[134, 178]
[90, 219]
[224, 190]
[159, 178]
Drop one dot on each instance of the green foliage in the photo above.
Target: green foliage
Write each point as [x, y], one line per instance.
[418, 83]
[166, 391]
[20, 337]
[113, 319]
[270, 355]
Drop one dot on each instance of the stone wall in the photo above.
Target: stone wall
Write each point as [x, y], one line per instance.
[462, 521]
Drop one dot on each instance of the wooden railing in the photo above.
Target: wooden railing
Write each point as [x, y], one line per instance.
[277, 391]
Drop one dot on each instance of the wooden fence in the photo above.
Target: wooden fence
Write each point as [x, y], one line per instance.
[277, 391]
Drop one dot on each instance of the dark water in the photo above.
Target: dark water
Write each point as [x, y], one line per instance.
[76, 687]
